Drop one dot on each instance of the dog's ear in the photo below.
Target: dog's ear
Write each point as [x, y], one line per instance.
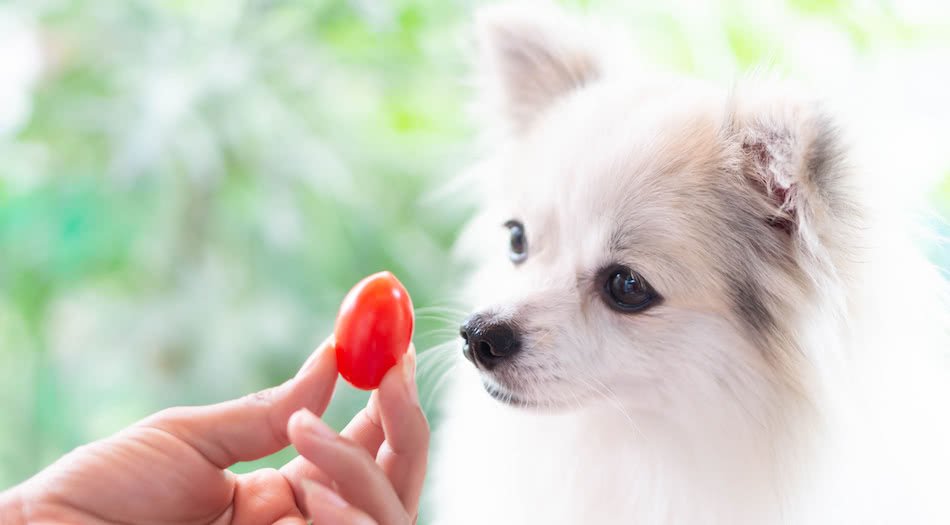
[790, 154]
[529, 57]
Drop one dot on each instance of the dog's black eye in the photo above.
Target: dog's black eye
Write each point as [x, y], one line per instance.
[517, 244]
[627, 291]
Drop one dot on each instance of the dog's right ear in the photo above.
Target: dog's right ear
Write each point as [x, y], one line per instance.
[530, 56]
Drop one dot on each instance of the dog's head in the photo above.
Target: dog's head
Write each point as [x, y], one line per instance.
[650, 242]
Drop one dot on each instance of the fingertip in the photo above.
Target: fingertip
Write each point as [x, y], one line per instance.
[294, 422]
[304, 426]
[314, 384]
[294, 425]
[400, 381]
[411, 358]
[322, 358]
[409, 376]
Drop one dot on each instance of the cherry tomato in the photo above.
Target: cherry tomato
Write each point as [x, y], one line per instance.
[373, 329]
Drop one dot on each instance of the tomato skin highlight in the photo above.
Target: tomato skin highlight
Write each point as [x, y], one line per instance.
[373, 329]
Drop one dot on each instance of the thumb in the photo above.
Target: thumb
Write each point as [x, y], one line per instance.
[255, 425]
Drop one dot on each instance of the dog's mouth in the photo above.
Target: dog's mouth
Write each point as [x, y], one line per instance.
[514, 392]
[507, 397]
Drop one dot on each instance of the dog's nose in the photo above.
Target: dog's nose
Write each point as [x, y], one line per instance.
[488, 341]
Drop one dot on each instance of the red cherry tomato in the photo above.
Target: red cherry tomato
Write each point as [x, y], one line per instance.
[373, 329]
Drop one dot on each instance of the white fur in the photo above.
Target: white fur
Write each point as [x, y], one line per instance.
[836, 412]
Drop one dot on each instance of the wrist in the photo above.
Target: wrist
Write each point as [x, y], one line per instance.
[11, 507]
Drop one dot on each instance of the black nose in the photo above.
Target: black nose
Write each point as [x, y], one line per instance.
[488, 341]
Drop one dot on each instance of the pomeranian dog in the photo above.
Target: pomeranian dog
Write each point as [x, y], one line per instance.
[686, 310]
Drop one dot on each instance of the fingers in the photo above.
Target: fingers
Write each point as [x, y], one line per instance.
[298, 471]
[404, 453]
[393, 414]
[365, 429]
[262, 497]
[327, 507]
[358, 479]
[392, 428]
[256, 425]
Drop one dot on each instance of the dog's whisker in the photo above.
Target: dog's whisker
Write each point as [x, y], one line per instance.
[436, 352]
[441, 333]
[435, 358]
[437, 361]
[441, 310]
[544, 337]
[436, 347]
[447, 318]
[611, 397]
[433, 391]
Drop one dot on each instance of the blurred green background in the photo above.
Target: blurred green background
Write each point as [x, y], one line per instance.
[188, 188]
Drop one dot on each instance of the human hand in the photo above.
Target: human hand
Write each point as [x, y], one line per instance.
[172, 466]
[373, 471]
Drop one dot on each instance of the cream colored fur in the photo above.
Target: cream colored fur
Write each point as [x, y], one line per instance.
[795, 371]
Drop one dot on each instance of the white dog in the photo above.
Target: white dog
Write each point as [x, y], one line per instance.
[685, 312]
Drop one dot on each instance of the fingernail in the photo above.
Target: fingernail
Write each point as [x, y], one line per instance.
[409, 374]
[314, 490]
[326, 346]
[312, 424]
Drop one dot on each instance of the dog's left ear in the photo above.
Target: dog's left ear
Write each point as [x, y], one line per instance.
[530, 56]
[790, 154]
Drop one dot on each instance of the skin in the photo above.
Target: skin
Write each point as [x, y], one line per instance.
[172, 467]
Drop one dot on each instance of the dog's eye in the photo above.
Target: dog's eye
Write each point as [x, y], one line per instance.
[517, 244]
[626, 290]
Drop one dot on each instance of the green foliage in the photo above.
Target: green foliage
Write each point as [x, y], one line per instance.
[197, 186]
